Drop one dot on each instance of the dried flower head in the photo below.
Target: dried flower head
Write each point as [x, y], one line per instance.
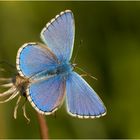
[14, 86]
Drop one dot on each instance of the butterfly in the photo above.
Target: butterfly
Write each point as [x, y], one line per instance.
[51, 75]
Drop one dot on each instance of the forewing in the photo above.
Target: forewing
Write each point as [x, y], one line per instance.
[82, 101]
[33, 58]
[59, 35]
[47, 95]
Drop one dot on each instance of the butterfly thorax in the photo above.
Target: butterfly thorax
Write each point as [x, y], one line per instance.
[64, 69]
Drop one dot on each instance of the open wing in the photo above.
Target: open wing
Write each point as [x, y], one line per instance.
[33, 58]
[82, 101]
[59, 35]
[47, 95]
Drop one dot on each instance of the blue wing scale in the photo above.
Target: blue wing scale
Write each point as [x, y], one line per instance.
[82, 101]
[59, 35]
[33, 58]
[47, 95]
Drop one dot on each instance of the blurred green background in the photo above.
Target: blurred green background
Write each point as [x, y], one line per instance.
[110, 51]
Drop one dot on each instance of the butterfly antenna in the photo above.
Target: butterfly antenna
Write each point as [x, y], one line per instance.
[85, 73]
[81, 41]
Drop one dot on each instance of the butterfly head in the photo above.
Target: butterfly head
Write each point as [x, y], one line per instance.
[74, 66]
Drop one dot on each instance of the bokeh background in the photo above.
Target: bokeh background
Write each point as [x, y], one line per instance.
[110, 51]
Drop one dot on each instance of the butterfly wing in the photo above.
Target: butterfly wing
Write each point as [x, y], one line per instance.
[33, 58]
[59, 35]
[47, 95]
[82, 101]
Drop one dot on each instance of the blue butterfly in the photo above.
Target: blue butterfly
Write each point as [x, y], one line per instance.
[50, 73]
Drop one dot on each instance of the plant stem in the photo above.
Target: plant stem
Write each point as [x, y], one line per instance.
[43, 126]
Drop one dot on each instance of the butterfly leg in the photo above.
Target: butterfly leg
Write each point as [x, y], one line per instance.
[16, 107]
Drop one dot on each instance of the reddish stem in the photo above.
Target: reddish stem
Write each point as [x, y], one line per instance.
[43, 126]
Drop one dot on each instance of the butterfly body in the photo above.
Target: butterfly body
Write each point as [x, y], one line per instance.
[51, 74]
[61, 69]
[64, 69]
